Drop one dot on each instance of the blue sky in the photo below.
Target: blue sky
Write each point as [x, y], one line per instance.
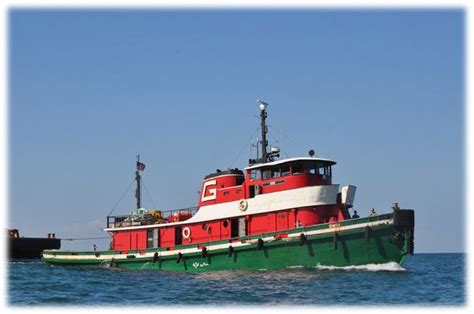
[379, 91]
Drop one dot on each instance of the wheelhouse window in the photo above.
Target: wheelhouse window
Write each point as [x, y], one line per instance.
[239, 180]
[310, 167]
[266, 173]
[285, 170]
[327, 171]
[324, 169]
[255, 174]
[297, 167]
[275, 171]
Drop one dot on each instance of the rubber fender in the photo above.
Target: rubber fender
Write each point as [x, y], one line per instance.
[404, 218]
[367, 233]
[230, 250]
[204, 252]
[335, 241]
[411, 241]
[259, 244]
[178, 259]
[111, 264]
[155, 257]
[397, 237]
[302, 239]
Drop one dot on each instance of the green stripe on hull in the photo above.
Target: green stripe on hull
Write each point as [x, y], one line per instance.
[351, 247]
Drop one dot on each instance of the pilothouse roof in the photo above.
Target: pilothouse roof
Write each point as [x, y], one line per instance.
[277, 162]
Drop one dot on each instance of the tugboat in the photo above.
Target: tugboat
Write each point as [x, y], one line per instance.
[273, 214]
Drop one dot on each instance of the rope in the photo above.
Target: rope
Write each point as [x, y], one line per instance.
[278, 143]
[288, 139]
[128, 189]
[76, 239]
[242, 149]
[149, 195]
[294, 142]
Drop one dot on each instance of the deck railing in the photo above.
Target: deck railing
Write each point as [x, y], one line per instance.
[166, 216]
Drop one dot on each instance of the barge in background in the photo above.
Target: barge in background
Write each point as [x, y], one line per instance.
[29, 248]
[277, 213]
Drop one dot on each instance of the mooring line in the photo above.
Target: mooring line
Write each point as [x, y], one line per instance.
[75, 239]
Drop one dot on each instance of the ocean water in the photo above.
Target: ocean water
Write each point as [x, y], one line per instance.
[424, 280]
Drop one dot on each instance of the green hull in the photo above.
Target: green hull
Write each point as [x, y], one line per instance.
[348, 243]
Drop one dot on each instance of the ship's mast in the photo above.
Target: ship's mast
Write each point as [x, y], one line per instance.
[138, 179]
[263, 116]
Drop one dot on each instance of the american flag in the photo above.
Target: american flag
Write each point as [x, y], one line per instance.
[140, 166]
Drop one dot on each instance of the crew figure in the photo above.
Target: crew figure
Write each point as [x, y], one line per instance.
[372, 213]
[355, 216]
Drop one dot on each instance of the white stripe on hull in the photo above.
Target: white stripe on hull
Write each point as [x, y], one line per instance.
[263, 203]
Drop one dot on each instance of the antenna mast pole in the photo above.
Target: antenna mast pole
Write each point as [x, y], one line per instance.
[138, 179]
[263, 116]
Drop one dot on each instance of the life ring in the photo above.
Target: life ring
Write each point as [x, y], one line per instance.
[243, 204]
[186, 233]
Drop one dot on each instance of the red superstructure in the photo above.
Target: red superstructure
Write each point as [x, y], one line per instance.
[269, 195]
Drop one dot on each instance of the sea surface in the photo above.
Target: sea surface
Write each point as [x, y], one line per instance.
[424, 280]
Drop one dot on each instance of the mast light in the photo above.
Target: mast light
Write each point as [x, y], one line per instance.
[263, 105]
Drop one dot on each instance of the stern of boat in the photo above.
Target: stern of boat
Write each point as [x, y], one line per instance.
[404, 229]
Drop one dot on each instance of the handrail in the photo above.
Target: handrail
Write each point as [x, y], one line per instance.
[112, 220]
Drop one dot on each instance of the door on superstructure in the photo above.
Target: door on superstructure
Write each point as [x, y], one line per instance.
[156, 240]
[234, 228]
[282, 219]
[242, 227]
[178, 236]
[152, 238]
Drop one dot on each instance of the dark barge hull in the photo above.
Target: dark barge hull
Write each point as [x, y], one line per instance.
[30, 248]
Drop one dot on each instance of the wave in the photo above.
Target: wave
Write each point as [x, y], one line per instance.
[25, 262]
[391, 266]
[295, 267]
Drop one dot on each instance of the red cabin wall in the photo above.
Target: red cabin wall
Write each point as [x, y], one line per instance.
[288, 182]
[129, 240]
[166, 236]
[309, 217]
[208, 231]
[225, 189]
[258, 224]
[221, 229]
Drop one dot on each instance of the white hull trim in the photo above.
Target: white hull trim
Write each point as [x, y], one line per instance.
[263, 203]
